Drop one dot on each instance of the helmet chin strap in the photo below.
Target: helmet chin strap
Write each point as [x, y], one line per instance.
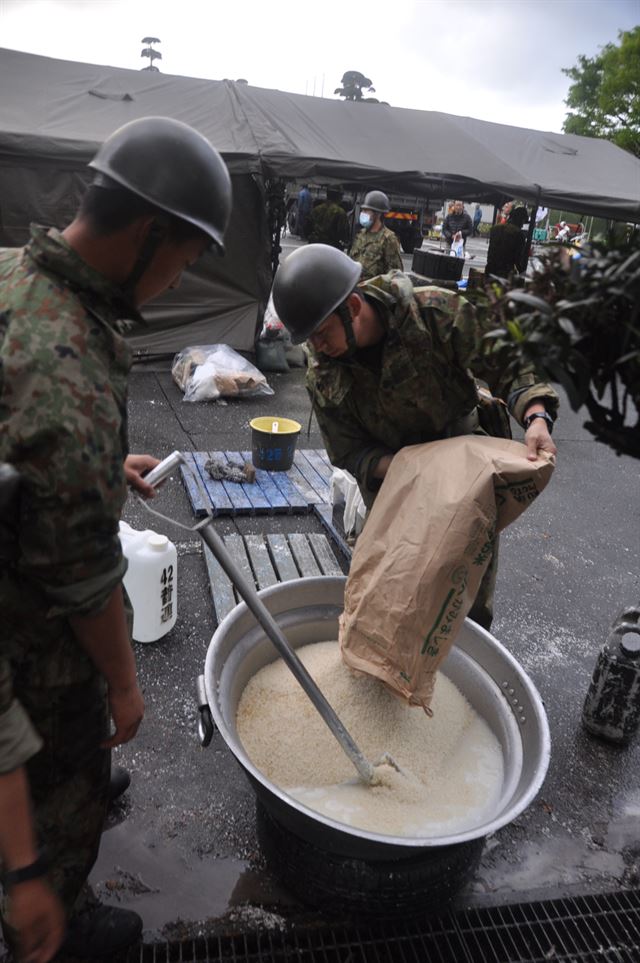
[157, 232]
[344, 314]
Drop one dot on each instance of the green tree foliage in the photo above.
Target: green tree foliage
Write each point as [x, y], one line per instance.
[151, 52]
[353, 84]
[578, 324]
[604, 98]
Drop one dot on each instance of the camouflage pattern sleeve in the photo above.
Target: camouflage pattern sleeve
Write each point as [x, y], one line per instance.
[63, 408]
[393, 255]
[349, 445]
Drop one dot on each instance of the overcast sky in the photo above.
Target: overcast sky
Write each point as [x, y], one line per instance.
[498, 60]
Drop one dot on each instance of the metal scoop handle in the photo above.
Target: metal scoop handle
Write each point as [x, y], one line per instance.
[250, 596]
[274, 632]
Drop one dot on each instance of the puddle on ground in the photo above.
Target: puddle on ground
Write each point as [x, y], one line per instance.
[172, 893]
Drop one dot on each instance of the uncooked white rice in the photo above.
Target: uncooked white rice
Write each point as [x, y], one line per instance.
[453, 760]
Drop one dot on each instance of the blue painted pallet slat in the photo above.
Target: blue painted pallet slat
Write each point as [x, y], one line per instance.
[222, 593]
[267, 559]
[304, 486]
[239, 502]
[254, 493]
[238, 552]
[298, 490]
[305, 559]
[194, 493]
[313, 477]
[261, 563]
[313, 457]
[325, 514]
[322, 454]
[322, 551]
[269, 488]
[219, 499]
[283, 561]
[293, 495]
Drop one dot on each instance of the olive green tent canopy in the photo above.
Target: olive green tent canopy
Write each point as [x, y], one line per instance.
[54, 114]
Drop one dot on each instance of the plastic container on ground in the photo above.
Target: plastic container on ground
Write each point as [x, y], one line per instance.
[273, 442]
[612, 704]
[151, 582]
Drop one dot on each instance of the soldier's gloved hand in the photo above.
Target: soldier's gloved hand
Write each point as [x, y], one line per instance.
[537, 439]
[127, 712]
[134, 467]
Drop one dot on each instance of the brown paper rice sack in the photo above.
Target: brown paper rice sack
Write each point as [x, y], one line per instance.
[423, 551]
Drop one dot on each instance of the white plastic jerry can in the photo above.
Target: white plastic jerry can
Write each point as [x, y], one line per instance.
[151, 582]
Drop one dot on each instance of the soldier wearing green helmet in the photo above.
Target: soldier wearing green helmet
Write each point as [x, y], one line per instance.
[376, 248]
[392, 365]
[161, 195]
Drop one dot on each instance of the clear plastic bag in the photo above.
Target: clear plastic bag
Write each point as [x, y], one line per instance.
[272, 326]
[457, 248]
[344, 487]
[207, 372]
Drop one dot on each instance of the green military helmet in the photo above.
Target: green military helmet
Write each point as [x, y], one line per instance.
[172, 166]
[376, 201]
[310, 285]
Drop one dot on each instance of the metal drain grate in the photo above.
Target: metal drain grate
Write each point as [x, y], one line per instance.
[587, 929]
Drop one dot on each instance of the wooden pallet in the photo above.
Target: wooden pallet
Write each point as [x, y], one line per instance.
[296, 491]
[267, 559]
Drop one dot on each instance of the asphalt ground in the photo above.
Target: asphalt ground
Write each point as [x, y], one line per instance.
[182, 848]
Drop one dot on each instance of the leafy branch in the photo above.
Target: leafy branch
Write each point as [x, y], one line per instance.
[578, 324]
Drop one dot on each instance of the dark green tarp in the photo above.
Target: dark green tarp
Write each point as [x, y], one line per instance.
[54, 114]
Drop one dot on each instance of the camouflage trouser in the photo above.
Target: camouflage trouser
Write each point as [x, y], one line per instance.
[68, 779]
[482, 609]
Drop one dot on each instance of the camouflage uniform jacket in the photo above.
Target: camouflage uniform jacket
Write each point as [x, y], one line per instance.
[329, 225]
[63, 377]
[378, 253]
[415, 388]
[507, 250]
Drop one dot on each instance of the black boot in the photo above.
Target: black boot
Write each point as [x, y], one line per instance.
[119, 783]
[100, 932]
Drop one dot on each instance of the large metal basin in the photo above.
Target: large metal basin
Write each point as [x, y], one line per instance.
[495, 684]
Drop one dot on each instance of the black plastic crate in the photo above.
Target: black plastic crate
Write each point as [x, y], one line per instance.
[439, 267]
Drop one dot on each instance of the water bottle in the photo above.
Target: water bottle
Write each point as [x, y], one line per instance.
[612, 705]
[151, 582]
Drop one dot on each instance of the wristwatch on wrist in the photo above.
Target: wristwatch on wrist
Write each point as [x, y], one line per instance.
[39, 867]
[526, 422]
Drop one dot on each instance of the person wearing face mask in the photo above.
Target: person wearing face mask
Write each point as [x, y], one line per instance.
[376, 248]
[68, 684]
[391, 365]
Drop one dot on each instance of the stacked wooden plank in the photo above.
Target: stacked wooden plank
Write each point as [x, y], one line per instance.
[296, 491]
[267, 559]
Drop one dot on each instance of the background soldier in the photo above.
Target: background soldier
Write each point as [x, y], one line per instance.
[66, 662]
[391, 366]
[329, 223]
[376, 248]
[507, 250]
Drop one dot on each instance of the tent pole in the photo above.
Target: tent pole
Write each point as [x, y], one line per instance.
[276, 214]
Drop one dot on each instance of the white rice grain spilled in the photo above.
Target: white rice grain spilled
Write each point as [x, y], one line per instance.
[453, 762]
